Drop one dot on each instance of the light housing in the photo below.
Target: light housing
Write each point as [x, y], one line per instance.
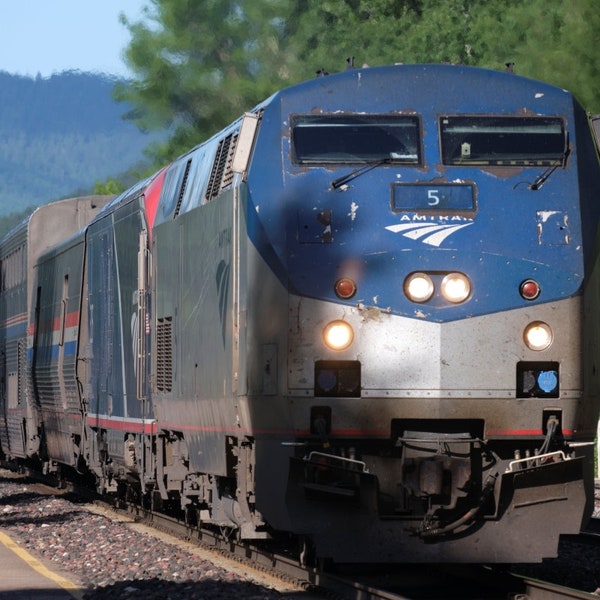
[338, 335]
[538, 336]
[336, 379]
[538, 380]
[418, 287]
[456, 287]
[345, 288]
[530, 289]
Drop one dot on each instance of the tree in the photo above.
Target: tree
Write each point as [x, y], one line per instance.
[379, 32]
[109, 187]
[550, 40]
[199, 63]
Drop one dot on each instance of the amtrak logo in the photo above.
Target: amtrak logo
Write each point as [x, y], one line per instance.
[433, 234]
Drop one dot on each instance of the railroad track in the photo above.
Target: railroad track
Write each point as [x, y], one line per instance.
[539, 590]
[439, 582]
[464, 582]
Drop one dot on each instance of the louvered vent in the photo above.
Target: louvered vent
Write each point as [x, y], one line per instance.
[182, 189]
[221, 175]
[22, 369]
[164, 354]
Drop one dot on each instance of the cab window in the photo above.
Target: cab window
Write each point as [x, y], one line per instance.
[503, 141]
[348, 139]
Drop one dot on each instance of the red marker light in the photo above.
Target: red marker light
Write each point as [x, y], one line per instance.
[345, 288]
[530, 289]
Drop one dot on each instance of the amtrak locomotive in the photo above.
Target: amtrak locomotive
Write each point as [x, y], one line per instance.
[365, 313]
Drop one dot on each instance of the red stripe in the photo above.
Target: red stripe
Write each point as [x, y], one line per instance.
[153, 427]
[122, 424]
[381, 433]
[527, 432]
[515, 432]
[232, 430]
[71, 320]
[15, 320]
[152, 197]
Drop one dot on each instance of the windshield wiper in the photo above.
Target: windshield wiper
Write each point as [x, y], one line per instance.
[340, 181]
[541, 179]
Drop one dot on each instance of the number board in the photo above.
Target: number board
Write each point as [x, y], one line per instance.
[453, 197]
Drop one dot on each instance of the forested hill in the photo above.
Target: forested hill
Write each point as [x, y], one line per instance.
[59, 136]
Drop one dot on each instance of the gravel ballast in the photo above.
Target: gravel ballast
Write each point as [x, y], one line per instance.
[115, 559]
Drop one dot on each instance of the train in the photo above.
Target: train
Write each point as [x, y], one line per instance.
[362, 317]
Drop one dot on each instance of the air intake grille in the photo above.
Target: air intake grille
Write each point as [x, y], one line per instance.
[164, 354]
[221, 175]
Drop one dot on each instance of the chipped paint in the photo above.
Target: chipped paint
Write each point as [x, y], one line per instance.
[544, 215]
[372, 313]
[553, 227]
[353, 211]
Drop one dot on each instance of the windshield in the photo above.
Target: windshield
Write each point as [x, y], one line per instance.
[348, 139]
[503, 141]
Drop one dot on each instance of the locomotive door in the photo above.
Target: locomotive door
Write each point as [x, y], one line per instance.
[118, 315]
[239, 164]
[141, 323]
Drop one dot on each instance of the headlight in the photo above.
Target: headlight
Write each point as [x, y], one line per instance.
[456, 287]
[538, 335]
[418, 287]
[338, 335]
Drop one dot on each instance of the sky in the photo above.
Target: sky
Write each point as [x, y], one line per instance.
[50, 36]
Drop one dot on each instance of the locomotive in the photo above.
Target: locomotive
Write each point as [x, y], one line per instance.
[365, 314]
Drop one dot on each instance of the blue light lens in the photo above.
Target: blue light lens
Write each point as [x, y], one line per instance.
[327, 380]
[547, 381]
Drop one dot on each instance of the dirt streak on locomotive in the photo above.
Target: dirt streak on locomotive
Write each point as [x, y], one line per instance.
[364, 313]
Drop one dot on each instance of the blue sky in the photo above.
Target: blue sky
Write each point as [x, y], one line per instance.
[50, 36]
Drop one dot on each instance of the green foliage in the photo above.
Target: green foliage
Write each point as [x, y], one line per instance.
[201, 63]
[380, 32]
[551, 40]
[109, 187]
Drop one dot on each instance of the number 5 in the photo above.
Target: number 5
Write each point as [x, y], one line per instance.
[433, 197]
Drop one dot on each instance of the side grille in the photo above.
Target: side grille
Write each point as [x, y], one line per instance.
[221, 175]
[182, 189]
[22, 370]
[164, 354]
